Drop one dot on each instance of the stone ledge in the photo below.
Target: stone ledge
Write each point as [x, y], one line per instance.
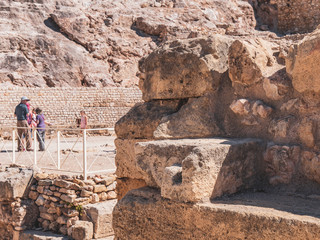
[190, 170]
[143, 214]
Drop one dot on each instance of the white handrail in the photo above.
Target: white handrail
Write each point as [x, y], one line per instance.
[86, 170]
[13, 146]
[85, 154]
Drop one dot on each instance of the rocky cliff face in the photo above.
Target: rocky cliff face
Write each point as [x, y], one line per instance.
[99, 43]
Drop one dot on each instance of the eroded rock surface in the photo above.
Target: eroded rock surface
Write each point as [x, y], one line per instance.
[81, 43]
[189, 170]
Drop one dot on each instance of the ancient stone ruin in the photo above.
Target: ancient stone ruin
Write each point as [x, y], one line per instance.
[57, 203]
[226, 144]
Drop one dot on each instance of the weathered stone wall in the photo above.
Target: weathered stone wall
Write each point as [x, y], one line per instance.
[63, 204]
[61, 106]
[298, 15]
[63, 201]
[222, 115]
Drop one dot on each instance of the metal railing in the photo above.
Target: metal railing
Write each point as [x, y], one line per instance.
[81, 151]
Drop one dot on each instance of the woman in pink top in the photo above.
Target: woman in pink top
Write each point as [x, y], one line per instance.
[84, 120]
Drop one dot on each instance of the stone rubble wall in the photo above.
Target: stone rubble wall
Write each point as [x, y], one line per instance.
[59, 203]
[62, 106]
[62, 200]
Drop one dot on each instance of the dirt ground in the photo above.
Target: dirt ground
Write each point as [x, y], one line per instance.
[100, 154]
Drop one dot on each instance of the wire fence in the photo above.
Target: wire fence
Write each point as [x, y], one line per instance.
[81, 151]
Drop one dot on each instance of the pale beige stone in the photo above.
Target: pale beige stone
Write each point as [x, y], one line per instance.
[99, 188]
[14, 182]
[101, 216]
[194, 119]
[111, 195]
[172, 74]
[240, 106]
[95, 198]
[190, 170]
[125, 158]
[68, 198]
[250, 61]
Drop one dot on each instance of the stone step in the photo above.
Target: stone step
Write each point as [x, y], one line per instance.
[39, 235]
[144, 214]
[190, 170]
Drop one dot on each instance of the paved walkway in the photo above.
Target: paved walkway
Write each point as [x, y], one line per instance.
[100, 153]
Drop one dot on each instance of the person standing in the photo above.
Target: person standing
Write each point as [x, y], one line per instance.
[21, 112]
[41, 129]
[84, 120]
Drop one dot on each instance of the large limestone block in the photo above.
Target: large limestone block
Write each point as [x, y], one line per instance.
[190, 170]
[143, 214]
[184, 68]
[14, 183]
[142, 120]
[126, 159]
[251, 61]
[101, 216]
[302, 63]
[195, 119]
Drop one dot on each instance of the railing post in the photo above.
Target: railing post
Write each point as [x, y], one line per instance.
[58, 148]
[85, 154]
[34, 147]
[14, 146]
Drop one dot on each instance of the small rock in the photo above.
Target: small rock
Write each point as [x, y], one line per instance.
[40, 189]
[85, 193]
[40, 200]
[95, 198]
[99, 188]
[68, 198]
[82, 230]
[112, 186]
[45, 182]
[57, 194]
[103, 196]
[240, 106]
[62, 220]
[47, 216]
[52, 210]
[33, 195]
[61, 183]
[67, 191]
[48, 192]
[111, 195]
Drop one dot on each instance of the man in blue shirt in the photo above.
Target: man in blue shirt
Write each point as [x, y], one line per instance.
[21, 113]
